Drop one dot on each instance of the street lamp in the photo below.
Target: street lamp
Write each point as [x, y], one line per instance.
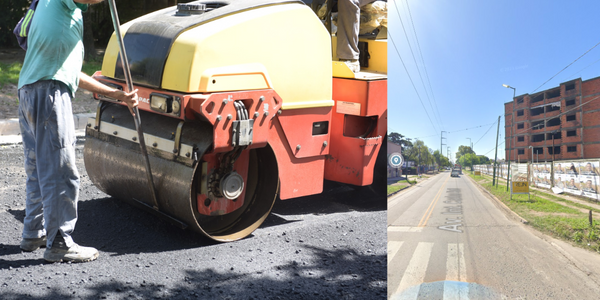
[511, 127]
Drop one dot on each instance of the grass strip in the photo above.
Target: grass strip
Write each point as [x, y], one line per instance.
[9, 73]
[544, 214]
[393, 188]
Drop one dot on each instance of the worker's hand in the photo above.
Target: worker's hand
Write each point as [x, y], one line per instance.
[129, 98]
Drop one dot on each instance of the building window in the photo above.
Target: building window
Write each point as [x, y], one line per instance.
[520, 151]
[520, 112]
[571, 117]
[537, 98]
[555, 151]
[553, 107]
[553, 94]
[520, 100]
[537, 111]
[572, 133]
[520, 125]
[570, 86]
[538, 150]
[557, 136]
[537, 138]
[537, 125]
[570, 102]
[553, 122]
[520, 139]
[571, 148]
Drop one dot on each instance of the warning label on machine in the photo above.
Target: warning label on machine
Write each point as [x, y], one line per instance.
[348, 108]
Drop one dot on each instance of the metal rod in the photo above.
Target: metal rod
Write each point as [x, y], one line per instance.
[136, 113]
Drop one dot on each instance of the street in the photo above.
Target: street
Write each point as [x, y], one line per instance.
[448, 240]
[328, 246]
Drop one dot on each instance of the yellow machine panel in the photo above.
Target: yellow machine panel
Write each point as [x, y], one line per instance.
[288, 40]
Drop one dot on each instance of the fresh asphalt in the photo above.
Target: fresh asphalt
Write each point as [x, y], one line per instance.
[327, 246]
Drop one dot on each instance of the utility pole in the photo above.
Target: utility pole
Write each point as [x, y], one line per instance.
[511, 133]
[441, 144]
[496, 155]
[419, 161]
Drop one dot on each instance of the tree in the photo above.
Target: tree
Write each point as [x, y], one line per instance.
[483, 160]
[462, 150]
[399, 139]
[469, 159]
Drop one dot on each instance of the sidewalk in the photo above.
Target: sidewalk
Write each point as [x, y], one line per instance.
[10, 132]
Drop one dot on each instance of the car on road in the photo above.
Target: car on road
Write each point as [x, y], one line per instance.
[455, 173]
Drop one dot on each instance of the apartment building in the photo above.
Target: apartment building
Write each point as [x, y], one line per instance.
[556, 124]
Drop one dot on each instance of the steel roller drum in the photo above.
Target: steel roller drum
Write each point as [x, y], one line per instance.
[116, 166]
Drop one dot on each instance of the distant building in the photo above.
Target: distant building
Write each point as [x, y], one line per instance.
[391, 148]
[559, 123]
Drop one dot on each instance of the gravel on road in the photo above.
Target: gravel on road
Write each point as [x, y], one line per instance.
[328, 246]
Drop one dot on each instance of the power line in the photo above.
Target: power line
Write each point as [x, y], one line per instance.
[586, 52]
[411, 81]
[423, 61]
[416, 64]
[471, 127]
[491, 126]
[570, 76]
[494, 149]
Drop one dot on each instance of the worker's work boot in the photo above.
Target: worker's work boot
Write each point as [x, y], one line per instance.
[59, 252]
[353, 64]
[33, 244]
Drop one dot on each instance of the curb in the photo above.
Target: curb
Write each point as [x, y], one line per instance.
[10, 131]
[499, 203]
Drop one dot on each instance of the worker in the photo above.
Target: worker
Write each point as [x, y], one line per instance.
[348, 27]
[50, 75]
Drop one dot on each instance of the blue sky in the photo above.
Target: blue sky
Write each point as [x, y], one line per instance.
[471, 48]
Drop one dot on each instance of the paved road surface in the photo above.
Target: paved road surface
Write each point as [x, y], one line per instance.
[447, 240]
[330, 246]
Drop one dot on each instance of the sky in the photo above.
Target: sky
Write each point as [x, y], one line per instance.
[464, 51]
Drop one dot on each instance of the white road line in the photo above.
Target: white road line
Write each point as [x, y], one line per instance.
[415, 272]
[392, 249]
[405, 229]
[456, 271]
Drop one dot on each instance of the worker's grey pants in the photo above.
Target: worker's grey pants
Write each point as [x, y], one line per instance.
[348, 27]
[48, 131]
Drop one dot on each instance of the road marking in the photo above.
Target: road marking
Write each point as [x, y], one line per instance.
[455, 286]
[455, 265]
[454, 198]
[429, 210]
[392, 249]
[404, 229]
[415, 272]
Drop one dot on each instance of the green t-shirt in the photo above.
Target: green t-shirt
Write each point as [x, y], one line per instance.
[54, 46]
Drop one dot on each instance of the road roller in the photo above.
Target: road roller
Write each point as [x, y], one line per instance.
[241, 103]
